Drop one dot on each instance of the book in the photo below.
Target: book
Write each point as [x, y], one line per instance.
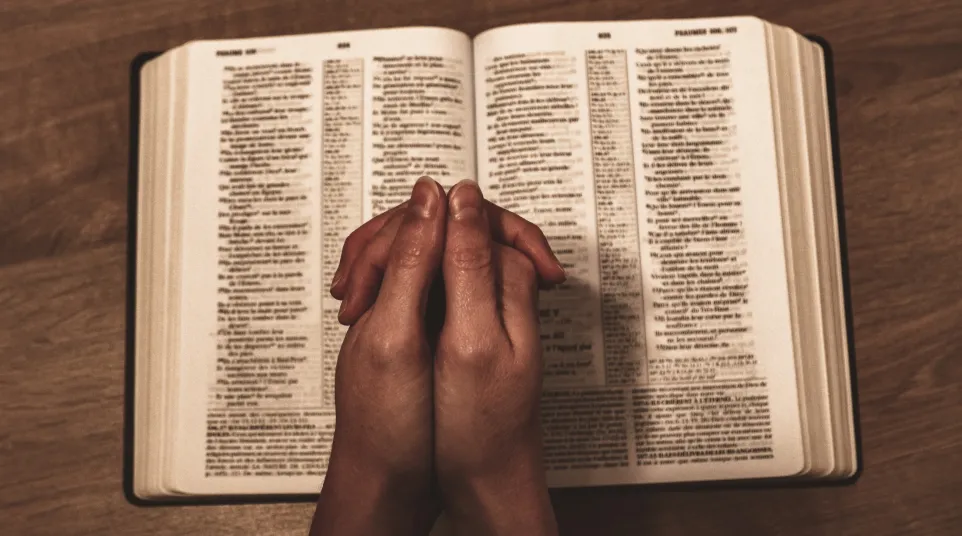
[685, 172]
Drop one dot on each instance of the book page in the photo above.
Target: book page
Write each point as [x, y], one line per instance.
[293, 143]
[645, 152]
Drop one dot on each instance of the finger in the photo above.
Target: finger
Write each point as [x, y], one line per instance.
[415, 256]
[468, 268]
[510, 229]
[518, 291]
[366, 271]
[353, 247]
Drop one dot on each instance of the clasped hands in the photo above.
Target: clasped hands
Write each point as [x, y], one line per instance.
[439, 376]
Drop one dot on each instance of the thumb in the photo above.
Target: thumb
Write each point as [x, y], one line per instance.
[415, 255]
[469, 272]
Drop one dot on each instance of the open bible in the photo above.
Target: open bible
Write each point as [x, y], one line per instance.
[683, 171]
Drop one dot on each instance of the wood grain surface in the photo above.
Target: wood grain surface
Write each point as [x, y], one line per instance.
[63, 186]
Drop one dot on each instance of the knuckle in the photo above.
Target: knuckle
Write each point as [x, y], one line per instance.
[408, 256]
[522, 366]
[469, 258]
[385, 350]
[498, 364]
[392, 343]
[520, 372]
[541, 235]
[351, 243]
[537, 235]
[473, 352]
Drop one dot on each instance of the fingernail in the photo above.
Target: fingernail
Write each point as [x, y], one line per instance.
[465, 199]
[425, 197]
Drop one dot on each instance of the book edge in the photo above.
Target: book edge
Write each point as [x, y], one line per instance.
[136, 66]
[843, 249]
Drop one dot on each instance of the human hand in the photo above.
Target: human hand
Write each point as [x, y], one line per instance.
[487, 380]
[503, 487]
[363, 258]
[380, 476]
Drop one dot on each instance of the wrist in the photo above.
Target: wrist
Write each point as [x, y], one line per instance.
[359, 499]
[506, 502]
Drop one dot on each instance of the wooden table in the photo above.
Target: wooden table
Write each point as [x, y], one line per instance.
[63, 187]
